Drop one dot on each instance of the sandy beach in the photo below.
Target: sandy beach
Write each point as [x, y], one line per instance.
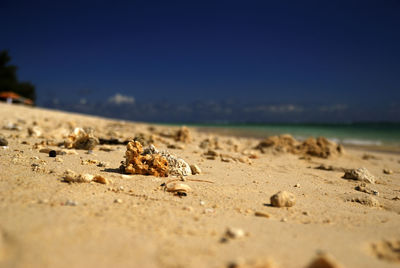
[225, 220]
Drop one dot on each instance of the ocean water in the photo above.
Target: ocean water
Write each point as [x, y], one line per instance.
[359, 134]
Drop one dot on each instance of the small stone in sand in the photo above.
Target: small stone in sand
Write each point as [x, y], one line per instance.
[52, 153]
[3, 141]
[360, 174]
[119, 201]
[101, 179]
[103, 164]
[262, 214]
[387, 171]
[71, 203]
[234, 233]
[34, 131]
[283, 199]
[195, 169]
[324, 261]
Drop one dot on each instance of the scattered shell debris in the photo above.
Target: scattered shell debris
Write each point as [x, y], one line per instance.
[320, 147]
[70, 176]
[212, 155]
[359, 174]
[283, 199]
[81, 139]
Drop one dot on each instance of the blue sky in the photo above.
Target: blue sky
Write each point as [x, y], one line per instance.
[281, 52]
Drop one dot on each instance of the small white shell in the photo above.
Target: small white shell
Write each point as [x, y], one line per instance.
[178, 187]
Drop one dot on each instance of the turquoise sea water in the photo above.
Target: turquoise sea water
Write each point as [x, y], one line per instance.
[362, 134]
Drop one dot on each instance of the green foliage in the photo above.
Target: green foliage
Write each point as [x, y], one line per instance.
[9, 80]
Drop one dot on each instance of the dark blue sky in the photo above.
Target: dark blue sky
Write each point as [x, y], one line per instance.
[332, 52]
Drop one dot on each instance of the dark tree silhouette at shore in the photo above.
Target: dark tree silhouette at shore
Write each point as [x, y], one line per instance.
[9, 80]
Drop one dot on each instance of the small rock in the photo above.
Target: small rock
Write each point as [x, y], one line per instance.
[283, 199]
[12, 126]
[195, 169]
[34, 131]
[297, 185]
[43, 201]
[324, 261]
[360, 174]
[234, 233]
[52, 153]
[103, 164]
[71, 203]
[100, 179]
[262, 214]
[3, 141]
[387, 171]
[119, 201]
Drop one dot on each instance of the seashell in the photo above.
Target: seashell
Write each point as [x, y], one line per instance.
[178, 188]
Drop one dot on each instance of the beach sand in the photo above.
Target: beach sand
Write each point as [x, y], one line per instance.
[134, 222]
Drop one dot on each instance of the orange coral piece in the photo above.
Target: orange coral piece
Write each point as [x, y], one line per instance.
[148, 164]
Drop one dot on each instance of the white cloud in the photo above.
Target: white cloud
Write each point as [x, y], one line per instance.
[121, 99]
